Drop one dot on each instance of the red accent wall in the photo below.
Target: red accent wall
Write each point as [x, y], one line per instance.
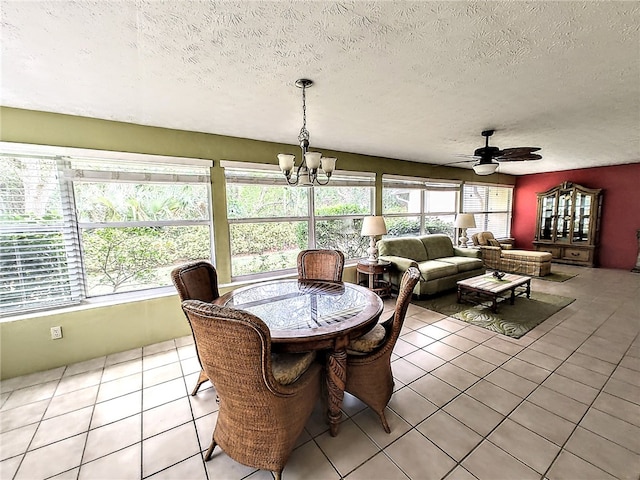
[620, 219]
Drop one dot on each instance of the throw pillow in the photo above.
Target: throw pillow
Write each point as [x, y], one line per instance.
[494, 243]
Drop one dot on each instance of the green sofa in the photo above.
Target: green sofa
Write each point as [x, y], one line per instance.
[441, 264]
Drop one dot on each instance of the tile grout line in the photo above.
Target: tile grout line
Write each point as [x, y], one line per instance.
[562, 448]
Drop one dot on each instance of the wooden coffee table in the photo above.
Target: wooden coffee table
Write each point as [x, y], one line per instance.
[488, 286]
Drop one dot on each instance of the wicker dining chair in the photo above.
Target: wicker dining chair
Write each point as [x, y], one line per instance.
[320, 265]
[259, 419]
[196, 281]
[369, 375]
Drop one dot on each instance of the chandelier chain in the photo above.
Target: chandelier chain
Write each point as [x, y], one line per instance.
[304, 133]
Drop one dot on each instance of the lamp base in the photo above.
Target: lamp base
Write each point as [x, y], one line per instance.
[372, 251]
[462, 240]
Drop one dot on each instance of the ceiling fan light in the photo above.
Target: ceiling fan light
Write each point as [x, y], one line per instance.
[485, 168]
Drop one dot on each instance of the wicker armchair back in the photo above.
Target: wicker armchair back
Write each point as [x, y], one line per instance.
[259, 419]
[369, 377]
[320, 265]
[196, 281]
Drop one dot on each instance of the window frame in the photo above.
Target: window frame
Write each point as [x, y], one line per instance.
[482, 215]
[338, 179]
[66, 175]
[424, 185]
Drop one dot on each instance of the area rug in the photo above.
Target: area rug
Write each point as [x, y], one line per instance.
[510, 320]
[557, 277]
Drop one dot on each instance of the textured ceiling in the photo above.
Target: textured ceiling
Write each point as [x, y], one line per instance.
[410, 80]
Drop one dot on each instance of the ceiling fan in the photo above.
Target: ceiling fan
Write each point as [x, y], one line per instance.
[486, 155]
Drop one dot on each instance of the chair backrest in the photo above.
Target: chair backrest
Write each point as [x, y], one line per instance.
[320, 265]
[483, 238]
[235, 351]
[405, 292]
[196, 281]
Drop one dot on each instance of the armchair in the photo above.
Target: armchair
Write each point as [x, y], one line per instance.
[196, 281]
[369, 375]
[259, 419]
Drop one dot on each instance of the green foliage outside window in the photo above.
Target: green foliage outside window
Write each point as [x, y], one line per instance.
[121, 259]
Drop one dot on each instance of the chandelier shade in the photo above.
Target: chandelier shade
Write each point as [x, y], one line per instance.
[307, 173]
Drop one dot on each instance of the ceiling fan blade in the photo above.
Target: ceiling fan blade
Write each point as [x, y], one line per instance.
[472, 159]
[521, 158]
[517, 151]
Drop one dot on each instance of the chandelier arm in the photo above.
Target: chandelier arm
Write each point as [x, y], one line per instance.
[287, 178]
[317, 180]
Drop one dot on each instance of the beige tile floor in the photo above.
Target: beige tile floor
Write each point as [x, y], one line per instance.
[562, 402]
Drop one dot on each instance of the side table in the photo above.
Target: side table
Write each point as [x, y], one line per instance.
[375, 273]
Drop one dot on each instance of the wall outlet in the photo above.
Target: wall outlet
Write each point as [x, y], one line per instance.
[56, 333]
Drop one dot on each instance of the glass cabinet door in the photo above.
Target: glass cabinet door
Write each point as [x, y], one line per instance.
[563, 233]
[548, 216]
[581, 217]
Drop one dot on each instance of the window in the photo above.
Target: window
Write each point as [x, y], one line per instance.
[39, 253]
[137, 221]
[74, 227]
[271, 222]
[491, 206]
[414, 206]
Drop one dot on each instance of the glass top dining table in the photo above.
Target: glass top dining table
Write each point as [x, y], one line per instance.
[306, 315]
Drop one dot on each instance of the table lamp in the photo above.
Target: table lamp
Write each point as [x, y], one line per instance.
[464, 221]
[372, 227]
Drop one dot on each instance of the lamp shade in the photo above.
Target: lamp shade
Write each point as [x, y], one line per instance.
[465, 220]
[485, 168]
[373, 226]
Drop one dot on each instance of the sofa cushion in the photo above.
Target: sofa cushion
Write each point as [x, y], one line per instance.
[407, 247]
[437, 246]
[464, 264]
[433, 269]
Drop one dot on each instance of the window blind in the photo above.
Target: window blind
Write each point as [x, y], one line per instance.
[39, 248]
[486, 198]
[491, 206]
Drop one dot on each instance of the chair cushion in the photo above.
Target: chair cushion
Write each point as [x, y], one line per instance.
[527, 255]
[287, 367]
[367, 342]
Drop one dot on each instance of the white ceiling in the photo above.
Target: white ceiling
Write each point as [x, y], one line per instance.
[409, 80]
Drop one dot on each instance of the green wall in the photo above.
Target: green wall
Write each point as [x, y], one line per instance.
[25, 345]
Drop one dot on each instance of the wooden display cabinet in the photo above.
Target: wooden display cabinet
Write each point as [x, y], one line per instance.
[568, 222]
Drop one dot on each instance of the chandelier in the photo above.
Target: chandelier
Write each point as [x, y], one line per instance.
[307, 172]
